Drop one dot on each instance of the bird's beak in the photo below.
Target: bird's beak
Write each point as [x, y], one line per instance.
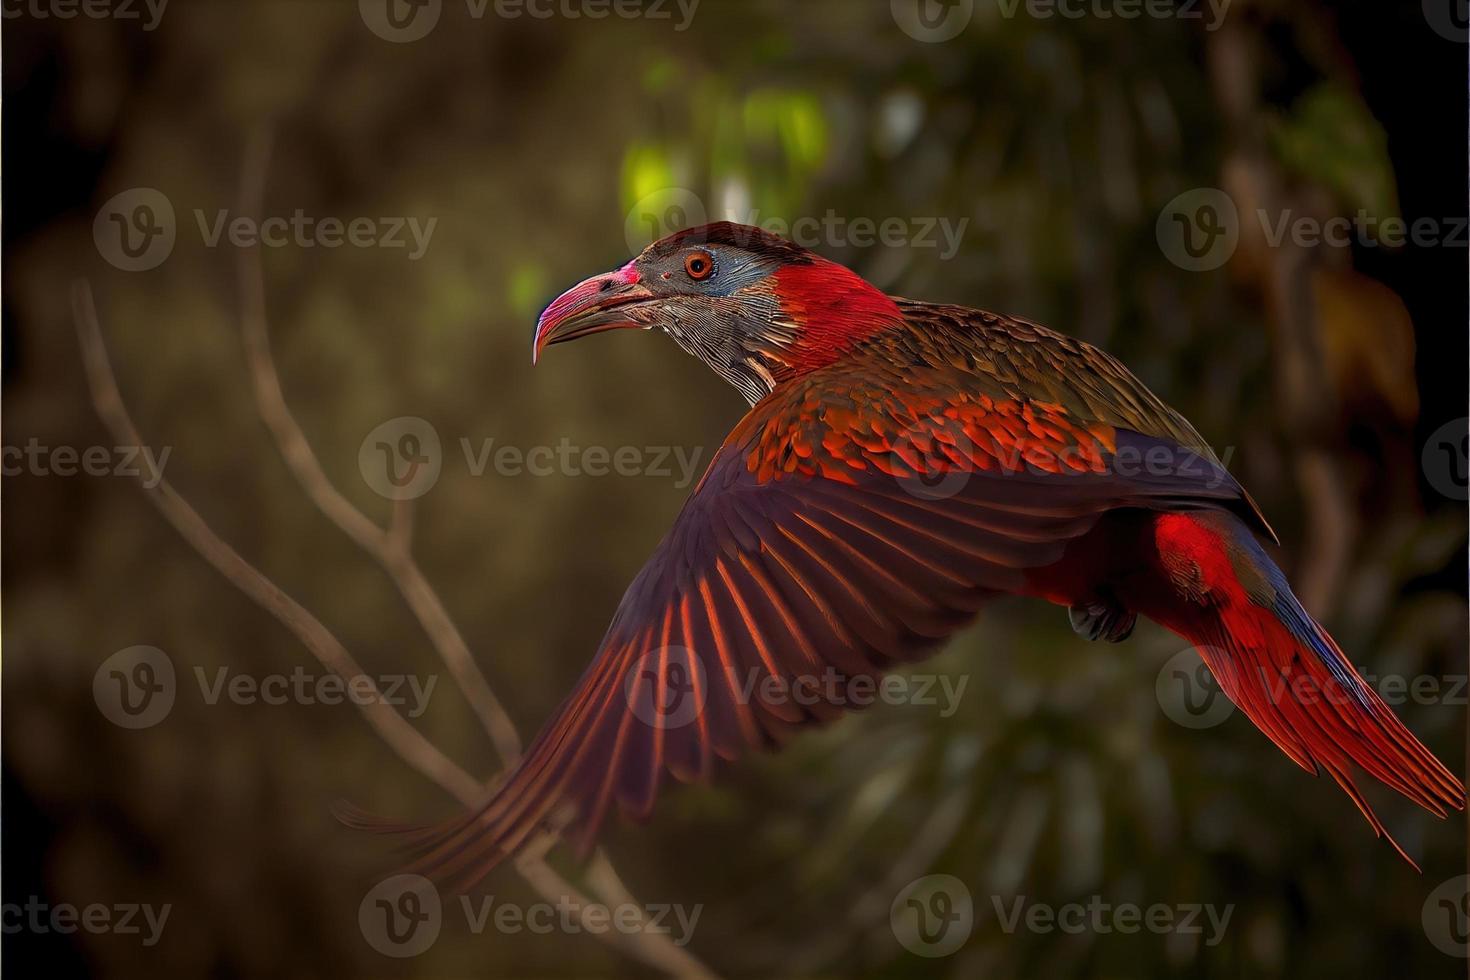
[606, 302]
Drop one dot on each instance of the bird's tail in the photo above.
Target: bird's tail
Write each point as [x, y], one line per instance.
[1281, 668]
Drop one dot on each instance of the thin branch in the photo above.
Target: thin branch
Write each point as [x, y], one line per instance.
[653, 949]
[391, 547]
[402, 737]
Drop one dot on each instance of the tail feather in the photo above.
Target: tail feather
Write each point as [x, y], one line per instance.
[1285, 672]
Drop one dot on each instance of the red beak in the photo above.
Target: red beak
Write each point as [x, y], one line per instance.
[607, 302]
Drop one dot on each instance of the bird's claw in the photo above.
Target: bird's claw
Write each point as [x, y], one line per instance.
[1102, 618]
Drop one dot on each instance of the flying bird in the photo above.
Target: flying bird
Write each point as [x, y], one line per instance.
[901, 463]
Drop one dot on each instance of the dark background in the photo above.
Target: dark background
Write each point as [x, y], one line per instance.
[530, 140]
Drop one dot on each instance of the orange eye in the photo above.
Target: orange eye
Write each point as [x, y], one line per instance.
[699, 265]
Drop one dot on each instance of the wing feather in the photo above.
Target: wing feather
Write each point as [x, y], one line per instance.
[814, 551]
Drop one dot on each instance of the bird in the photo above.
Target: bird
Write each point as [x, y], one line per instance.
[901, 464]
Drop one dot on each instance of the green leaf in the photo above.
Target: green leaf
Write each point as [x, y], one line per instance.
[1330, 137]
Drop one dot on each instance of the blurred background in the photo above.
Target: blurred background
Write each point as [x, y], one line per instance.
[530, 152]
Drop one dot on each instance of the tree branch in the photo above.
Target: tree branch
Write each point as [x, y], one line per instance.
[402, 737]
[653, 949]
[391, 548]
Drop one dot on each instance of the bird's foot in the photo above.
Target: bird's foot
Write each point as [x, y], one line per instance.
[1102, 618]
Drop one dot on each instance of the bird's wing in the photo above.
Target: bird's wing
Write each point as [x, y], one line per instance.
[1011, 357]
[831, 539]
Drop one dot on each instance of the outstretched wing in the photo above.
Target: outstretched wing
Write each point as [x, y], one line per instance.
[832, 538]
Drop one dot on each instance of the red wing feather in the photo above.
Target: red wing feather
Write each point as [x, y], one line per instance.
[812, 553]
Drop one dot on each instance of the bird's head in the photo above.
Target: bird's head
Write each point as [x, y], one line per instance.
[755, 307]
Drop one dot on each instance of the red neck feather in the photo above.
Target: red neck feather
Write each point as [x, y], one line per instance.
[835, 307]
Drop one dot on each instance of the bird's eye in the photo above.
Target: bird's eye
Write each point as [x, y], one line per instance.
[699, 265]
